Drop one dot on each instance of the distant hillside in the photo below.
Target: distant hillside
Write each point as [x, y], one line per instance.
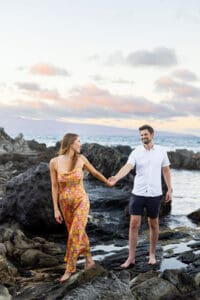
[55, 128]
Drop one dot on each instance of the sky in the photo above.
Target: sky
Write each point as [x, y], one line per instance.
[111, 62]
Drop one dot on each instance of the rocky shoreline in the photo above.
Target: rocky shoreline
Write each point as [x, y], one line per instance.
[32, 244]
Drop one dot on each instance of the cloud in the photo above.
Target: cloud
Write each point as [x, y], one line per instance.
[184, 74]
[28, 86]
[119, 80]
[93, 101]
[88, 101]
[183, 97]
[122, 81]
[181, 90]
[192, 107]
[159, 57]
[45, 69]
[115, 58]
[33, 90]
[98, 78]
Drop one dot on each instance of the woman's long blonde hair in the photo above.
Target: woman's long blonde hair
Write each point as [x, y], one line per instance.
[66, 142]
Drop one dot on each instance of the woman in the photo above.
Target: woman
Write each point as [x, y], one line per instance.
[70, 200]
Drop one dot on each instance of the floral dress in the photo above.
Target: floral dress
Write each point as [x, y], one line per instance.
[74, 204]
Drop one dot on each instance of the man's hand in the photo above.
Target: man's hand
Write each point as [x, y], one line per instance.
[168, 196]
[58, 216]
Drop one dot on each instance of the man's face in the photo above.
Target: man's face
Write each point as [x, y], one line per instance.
[146, 136]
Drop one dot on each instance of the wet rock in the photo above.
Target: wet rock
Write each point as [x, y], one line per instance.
[2, 249]
[36, 258]
[141, 278]
[195, 216]
[27, 252]
[197, 279]
[57, 290]
[172, 234]
[187, 257]
[196, 263]
[113, 262]
[197, 237]
[4, 293]
[195, 245]
[194, 295]
[7, 271]
[107, 287]
[180, 279]
[155, 289]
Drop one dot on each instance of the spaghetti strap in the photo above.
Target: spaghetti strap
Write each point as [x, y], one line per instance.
[57, 165]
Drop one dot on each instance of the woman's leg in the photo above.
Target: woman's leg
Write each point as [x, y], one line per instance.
[67, 212]
[77, 239]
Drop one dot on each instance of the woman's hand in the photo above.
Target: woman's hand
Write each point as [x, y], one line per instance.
[58, 216]
[110, 183]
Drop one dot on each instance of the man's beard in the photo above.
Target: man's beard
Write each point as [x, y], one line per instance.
[146, 142]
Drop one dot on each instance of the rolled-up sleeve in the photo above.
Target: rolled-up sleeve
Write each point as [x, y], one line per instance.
[131, 158]
[165, 161]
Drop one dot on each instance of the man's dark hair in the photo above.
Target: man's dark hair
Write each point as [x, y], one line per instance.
[147, 127]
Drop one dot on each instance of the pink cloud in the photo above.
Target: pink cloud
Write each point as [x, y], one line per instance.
[179, 89]
[87, 101]
[48, 70]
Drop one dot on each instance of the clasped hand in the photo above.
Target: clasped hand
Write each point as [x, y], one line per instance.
[112, 181]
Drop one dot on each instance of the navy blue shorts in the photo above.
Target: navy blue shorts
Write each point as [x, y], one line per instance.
[138, 203]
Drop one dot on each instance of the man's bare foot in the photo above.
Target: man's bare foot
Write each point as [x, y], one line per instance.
[65, 276]
[89, 263]
[152, 260]
[129, 262]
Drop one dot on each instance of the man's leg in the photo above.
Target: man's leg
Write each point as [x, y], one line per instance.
[153, 236]
[135, 222]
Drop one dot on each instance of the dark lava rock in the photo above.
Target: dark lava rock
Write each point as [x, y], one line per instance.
[28, 200]
[185, 159]
[187, 257]
[195, 216]
[180, 279]
[107, 160]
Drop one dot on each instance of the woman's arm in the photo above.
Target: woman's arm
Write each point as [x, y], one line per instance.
[54, 188]
[89, 167]
[167, 178]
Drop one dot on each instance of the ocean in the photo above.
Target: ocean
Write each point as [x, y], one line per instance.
[171, 142]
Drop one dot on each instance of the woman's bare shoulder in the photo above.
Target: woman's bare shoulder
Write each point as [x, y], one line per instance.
[53, 161]
[83, 158]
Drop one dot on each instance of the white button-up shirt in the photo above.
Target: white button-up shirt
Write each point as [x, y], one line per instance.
[149, 165]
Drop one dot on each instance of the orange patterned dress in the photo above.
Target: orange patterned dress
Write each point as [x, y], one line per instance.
[74, 204]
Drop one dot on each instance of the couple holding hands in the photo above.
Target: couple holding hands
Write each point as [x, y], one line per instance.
[71, 202]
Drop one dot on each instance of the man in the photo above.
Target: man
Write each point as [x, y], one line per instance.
[150, 160]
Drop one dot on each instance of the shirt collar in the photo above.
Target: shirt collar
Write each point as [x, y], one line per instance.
[144, 149]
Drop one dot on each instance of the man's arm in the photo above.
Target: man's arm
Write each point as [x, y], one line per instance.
[122, 173]
[167, 178]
